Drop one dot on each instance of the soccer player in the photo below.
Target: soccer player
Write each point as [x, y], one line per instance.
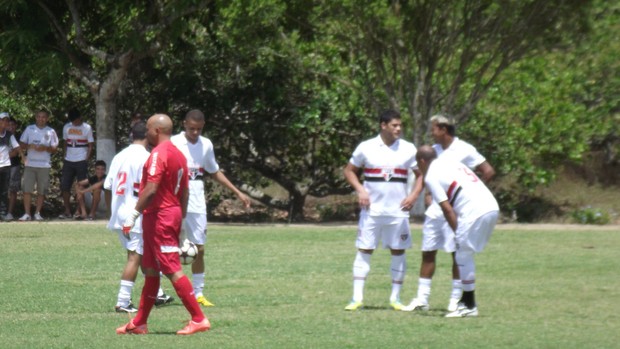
[40, 141]
[123, 180]
[471, 212]
[78, 146]
[198, 151]
[436, 233]
[163, 200]
[384, 201]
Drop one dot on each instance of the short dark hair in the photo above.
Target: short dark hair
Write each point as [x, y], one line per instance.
[74, 114]
[195, 115]
[388, 115]
[100, 163]
[138, 131]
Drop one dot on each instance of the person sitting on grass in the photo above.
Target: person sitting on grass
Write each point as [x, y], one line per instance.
[94, 185]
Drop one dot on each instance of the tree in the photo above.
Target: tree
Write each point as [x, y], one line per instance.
[93, 43]
[429, 56]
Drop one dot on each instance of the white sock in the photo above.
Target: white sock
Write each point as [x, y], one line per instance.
[424, 289]
[467, 269]
[457, 289]
[398, 268]
[124, 293]
[198, 282]
[160, 292]
[361, 268]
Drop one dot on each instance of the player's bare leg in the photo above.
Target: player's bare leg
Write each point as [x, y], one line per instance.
[128, 279]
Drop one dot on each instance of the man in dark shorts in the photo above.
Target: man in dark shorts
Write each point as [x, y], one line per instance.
[163, 201]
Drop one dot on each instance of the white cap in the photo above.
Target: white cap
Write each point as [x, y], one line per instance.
[4, 115]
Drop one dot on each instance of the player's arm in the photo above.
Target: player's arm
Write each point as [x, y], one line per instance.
[184, 201]
[350, 174]
[485, 171]
[449, 213]
[92, 188]
[144, 200]
[410, 200]
[221, 178]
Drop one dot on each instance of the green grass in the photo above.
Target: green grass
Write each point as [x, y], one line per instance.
[285, 287]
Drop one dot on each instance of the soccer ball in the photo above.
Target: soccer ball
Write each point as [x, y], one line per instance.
[187, 252]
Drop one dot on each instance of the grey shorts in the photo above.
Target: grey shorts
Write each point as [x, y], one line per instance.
[15, 182]
[38, 175]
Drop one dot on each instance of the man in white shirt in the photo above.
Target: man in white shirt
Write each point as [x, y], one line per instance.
[123, 181]
[198, 151]
[436, 233]
[385, 204]
[470, 210]
[39, 141]
[79, 140]
[8, 148]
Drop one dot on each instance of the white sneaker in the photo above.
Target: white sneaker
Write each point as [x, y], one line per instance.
[463, 311]
[416, 304]
[454, 304]
[37, 217]
[8, 217]
[25, 218]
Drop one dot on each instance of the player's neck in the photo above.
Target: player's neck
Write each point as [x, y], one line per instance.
[445, 144]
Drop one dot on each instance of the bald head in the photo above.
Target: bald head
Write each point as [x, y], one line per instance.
[425, 155]
[159, 129]
[161, 122]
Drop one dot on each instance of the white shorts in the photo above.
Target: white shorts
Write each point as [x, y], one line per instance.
[437, 235]
[195, 228]
[394, 232]
[474, 235]
[134, 243]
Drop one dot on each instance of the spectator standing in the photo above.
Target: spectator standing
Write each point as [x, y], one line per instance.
[8, 148]
[78, 145]
[15, 182]
[39, 141]
[198, 151]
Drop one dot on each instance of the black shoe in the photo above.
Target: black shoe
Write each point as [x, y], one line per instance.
[128, 309]
[163, 300]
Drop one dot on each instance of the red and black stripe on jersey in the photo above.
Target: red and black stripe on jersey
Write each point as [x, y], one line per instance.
[398, 175]
[453, 192]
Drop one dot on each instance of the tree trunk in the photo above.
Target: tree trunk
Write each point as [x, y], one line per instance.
[105, 104]
[296, 209]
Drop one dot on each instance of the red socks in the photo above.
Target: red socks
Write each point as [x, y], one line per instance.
[185, 291]
[147, 299]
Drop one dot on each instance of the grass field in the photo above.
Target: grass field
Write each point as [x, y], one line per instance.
[285, 287]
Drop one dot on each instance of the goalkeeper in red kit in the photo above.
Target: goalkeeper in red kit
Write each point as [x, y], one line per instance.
[163, 202]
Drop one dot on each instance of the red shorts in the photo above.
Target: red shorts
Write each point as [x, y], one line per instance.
[161, 240]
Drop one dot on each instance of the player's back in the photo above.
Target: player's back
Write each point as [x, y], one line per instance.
[123, 180]
[166, 166]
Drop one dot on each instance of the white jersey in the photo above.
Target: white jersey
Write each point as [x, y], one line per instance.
[123, 180]
[452, 181]
[385, 174]
[200, 159]
[77, 138]
[7, 143]
[462, 152]
[39, 136]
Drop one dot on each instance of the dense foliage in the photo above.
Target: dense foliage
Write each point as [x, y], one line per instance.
[290, 87]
